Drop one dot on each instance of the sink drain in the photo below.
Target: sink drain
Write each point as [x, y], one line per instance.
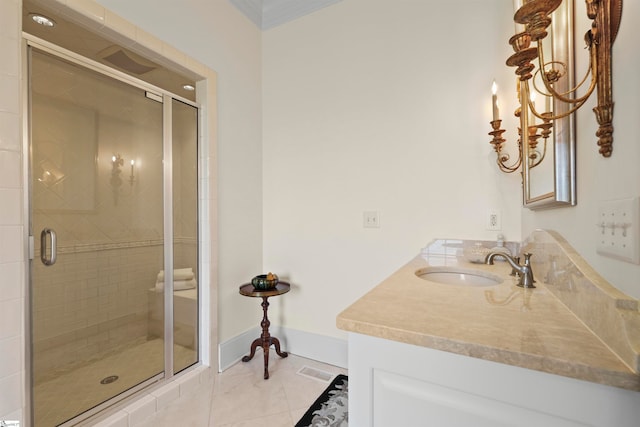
[109, 379]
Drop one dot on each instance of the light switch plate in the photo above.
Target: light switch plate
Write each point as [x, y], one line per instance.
[370, 219]
[618, 229]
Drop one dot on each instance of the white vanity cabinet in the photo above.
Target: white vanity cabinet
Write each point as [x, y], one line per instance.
[439, 354]
[393, 384]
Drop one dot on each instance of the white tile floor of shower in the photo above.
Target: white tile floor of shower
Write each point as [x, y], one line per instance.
[75, 390]
[240, 397]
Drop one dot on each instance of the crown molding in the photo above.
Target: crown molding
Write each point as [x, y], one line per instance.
[266, 14]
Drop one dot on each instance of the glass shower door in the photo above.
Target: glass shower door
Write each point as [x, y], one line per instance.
[97, 220]
[184, 153]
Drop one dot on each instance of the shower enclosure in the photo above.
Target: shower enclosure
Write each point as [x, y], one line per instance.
[113, 215]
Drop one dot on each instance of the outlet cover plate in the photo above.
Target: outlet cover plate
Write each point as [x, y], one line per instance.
[618, 229]
[494, 220]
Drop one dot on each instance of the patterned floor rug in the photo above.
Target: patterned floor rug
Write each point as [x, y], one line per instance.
[331, 409]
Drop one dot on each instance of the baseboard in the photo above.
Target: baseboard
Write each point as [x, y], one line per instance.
[232, 350]
[322, 348]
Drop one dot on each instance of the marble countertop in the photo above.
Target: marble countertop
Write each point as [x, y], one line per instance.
[529, 328]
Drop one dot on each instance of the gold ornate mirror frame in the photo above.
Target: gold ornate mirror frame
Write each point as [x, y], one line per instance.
[550, 79]
[549, 181]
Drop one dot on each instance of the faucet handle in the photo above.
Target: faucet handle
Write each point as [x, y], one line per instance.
[515, 272]
[527, 263]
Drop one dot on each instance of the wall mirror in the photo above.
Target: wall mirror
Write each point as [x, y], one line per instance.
[548, 168]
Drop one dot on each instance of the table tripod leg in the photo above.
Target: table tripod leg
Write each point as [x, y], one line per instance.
[276, 344]
[266, 362]
[265, 341]
[254, 345]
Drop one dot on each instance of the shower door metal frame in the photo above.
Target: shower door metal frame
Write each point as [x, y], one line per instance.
[67, 55]
[167, 176]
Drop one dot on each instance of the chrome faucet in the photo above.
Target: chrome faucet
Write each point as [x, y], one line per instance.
[526, 273]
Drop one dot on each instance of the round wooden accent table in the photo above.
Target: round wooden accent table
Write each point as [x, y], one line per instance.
[266, 340]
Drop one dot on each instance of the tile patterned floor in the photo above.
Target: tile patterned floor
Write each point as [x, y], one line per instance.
[240, 397]
[76, 390]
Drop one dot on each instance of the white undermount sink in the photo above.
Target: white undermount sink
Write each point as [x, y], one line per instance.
[458, 276]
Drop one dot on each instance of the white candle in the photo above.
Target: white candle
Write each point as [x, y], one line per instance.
[517, 4]
[494, 101]
[532, 117]
[547, 104]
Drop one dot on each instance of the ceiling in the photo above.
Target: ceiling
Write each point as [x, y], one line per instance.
[90, 44]
[267, 14]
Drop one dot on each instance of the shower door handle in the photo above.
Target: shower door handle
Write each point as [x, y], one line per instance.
[43, 246]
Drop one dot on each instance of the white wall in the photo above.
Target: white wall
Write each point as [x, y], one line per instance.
[598, 178]
[378, 105]
[216, 34]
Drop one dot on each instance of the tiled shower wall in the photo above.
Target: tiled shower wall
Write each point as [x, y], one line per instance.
[92, 304]
[96, 302]
[12, 266]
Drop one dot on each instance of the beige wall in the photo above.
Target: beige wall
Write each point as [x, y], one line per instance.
[378, 105]
[363, 110]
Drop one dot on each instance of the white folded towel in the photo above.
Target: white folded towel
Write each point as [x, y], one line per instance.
[179, 285]
[178, 274]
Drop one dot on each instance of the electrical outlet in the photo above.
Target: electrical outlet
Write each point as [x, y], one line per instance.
[494, 222]
[370, 219]
[618, 229]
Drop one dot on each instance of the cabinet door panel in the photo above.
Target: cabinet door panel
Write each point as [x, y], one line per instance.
[403, 401]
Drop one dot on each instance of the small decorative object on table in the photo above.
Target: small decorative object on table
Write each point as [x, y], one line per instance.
[265, 281]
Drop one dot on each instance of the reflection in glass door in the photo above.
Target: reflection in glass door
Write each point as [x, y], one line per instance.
[97, 217]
